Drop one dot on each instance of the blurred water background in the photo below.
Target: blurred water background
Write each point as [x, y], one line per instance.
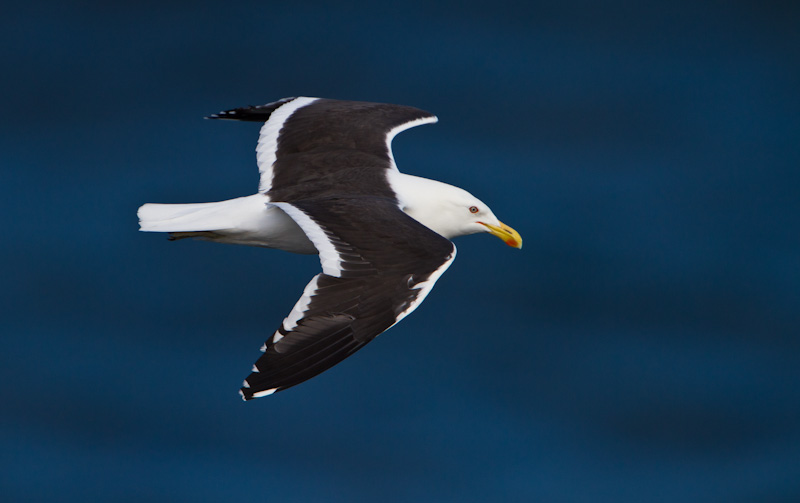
[643, 346]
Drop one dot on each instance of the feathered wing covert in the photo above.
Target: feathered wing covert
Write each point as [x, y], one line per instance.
[378, 263]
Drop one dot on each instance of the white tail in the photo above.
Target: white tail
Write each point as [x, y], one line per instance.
[194, 217]
[249, 220]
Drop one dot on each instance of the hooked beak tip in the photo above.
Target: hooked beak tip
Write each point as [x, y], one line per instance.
[506, 233]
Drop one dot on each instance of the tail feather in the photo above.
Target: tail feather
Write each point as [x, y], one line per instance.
[248, 221]
[196, 217]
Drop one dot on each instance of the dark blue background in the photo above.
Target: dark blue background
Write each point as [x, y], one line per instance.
[642, 347]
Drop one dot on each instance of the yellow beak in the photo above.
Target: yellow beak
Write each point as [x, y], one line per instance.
[506, 233]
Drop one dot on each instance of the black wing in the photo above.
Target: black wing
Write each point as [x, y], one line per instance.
[378, 266]
[314, 145]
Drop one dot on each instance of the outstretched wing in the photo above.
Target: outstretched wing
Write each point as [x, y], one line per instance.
[310, 140]
[378, 265]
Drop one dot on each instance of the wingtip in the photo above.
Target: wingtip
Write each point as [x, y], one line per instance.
[225, 114]
[248, 393]
[246, 113]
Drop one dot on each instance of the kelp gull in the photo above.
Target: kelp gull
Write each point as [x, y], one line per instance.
[329, 185]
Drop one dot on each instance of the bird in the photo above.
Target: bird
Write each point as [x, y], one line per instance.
[329, 185]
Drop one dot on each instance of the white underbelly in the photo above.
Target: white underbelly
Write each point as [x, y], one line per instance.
[269, 227]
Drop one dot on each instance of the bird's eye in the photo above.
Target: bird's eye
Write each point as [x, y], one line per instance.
[473, 209]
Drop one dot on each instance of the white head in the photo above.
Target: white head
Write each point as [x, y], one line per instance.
[448, 210]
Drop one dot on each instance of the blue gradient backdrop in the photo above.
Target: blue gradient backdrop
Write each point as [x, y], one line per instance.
[643, 347]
